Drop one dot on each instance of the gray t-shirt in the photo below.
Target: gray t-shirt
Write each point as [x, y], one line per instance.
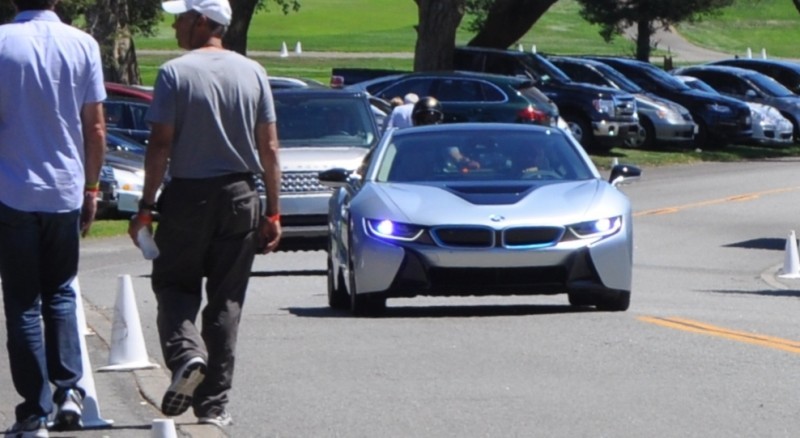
[214, 99]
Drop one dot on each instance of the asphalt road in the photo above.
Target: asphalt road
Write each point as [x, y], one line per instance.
[709, 347]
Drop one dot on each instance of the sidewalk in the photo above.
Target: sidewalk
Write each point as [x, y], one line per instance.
[130, 399]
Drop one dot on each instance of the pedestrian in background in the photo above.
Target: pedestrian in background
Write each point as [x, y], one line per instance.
[401, 114]
[52, 145]
[213, 120]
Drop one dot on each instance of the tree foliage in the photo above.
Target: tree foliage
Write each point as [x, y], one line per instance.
[647, 16]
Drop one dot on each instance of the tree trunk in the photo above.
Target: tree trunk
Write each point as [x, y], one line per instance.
[508, 21]
[643, 33]
[236, 37]
[436, 33]
[108, 22]
[796, 4]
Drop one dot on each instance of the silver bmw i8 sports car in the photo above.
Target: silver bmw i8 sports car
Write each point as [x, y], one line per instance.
[478, 209]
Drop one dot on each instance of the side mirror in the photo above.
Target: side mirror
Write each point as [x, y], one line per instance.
[624, 174]
[334, 178]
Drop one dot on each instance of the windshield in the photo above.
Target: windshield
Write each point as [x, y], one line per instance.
[618, 78]
[322, 121]
[698, 84]
[546, 70]
[770, 86]
[665, 79]
[469, 155]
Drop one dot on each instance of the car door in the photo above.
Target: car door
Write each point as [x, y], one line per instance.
[462, 100]
[421, 86]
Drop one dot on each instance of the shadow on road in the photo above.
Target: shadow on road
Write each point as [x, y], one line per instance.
[763, 293]
[294, 273]
[761, 243]
[456, 311]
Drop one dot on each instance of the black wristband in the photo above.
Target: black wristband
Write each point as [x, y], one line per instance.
[145, 206]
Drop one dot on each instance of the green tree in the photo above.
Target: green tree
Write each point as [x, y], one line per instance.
[647, 16]
[501, 23]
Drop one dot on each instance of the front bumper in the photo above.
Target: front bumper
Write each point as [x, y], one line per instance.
[614, 132]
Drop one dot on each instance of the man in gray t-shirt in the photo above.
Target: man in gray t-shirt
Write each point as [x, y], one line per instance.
[213, 120]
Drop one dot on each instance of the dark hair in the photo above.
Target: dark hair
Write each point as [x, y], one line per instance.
[33, 5]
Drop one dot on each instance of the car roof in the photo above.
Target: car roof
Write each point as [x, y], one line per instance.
[777, 62]
[133, 91]
[739, 71]
[323, 92]
[482, 127]
[470, 75]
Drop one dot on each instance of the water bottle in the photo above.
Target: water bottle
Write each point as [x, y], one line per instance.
[147, 244]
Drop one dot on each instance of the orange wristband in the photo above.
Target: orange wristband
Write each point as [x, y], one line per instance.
[274, 217]
[144, 219]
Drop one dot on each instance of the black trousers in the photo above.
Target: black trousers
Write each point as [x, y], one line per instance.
[207, 229]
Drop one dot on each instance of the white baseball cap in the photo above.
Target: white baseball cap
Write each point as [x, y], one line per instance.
[217, 10]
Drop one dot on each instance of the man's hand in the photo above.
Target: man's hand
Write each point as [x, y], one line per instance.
[141, 220]
[88, 211]
[269, 235]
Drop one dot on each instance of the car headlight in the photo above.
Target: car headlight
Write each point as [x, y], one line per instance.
[717, 108]
[604, 106]
[669, 115]
[393, 230]
[596, 228]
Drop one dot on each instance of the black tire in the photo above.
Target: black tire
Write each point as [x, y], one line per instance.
[646, 137]
[337, 295]
[581, 130]
[615, 302]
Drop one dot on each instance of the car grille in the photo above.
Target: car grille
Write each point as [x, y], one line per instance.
[484, 237]
[624, 106]
[301, 182]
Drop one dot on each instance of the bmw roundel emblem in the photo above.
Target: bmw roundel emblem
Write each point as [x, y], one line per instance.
[496, 218]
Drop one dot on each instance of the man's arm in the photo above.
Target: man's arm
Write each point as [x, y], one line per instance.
[159, 146]
[267, 144]
[94, 143]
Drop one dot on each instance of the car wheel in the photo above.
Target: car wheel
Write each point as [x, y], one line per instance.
[582, 131]
[364, 304]
[337, 294]
[615, 302]
[644, 138]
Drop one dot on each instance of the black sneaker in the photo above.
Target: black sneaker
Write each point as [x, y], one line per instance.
[186, 379]
[31, 427]
[68, 415]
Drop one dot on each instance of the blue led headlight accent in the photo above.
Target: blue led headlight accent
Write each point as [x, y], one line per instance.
[393, 230]
[596, 228]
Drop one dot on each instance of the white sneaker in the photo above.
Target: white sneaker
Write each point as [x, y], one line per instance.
[221, 420]
[186, 379]
[68, 415]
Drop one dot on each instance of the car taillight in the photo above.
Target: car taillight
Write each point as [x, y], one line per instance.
[337, 81]
[533, 115]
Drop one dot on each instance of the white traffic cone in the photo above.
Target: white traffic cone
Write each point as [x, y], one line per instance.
[791, 260]
[163, 428]
[298, 49]
[128, 351]
[90, 416]
[284, 51]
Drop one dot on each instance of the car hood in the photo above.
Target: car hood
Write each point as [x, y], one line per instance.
[125, 160]
[514, 203]
[303, 159]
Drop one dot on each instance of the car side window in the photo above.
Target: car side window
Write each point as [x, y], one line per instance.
[580, 73]
[114, 115]
[419, 86]
[457, 90]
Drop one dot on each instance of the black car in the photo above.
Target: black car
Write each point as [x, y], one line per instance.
[720, 119]
[661, 120]
[471, 97]
[785, 72]
[750, 86]
[599, 117]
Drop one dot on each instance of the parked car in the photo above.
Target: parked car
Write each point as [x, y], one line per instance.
[125, 157]
[785, 72]
[277, 82]
[107, 199]
[599, 117]
[535, 217]
[769, 126]
[660, 120]
[471, 97]
[319, 128]
[721, 120]
[141, 92]
[125, 115]
[750, 86]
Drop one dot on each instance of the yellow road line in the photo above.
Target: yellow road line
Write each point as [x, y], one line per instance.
[734, 198]
[711, 330]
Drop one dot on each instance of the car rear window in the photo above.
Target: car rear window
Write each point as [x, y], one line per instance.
[321, 121]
